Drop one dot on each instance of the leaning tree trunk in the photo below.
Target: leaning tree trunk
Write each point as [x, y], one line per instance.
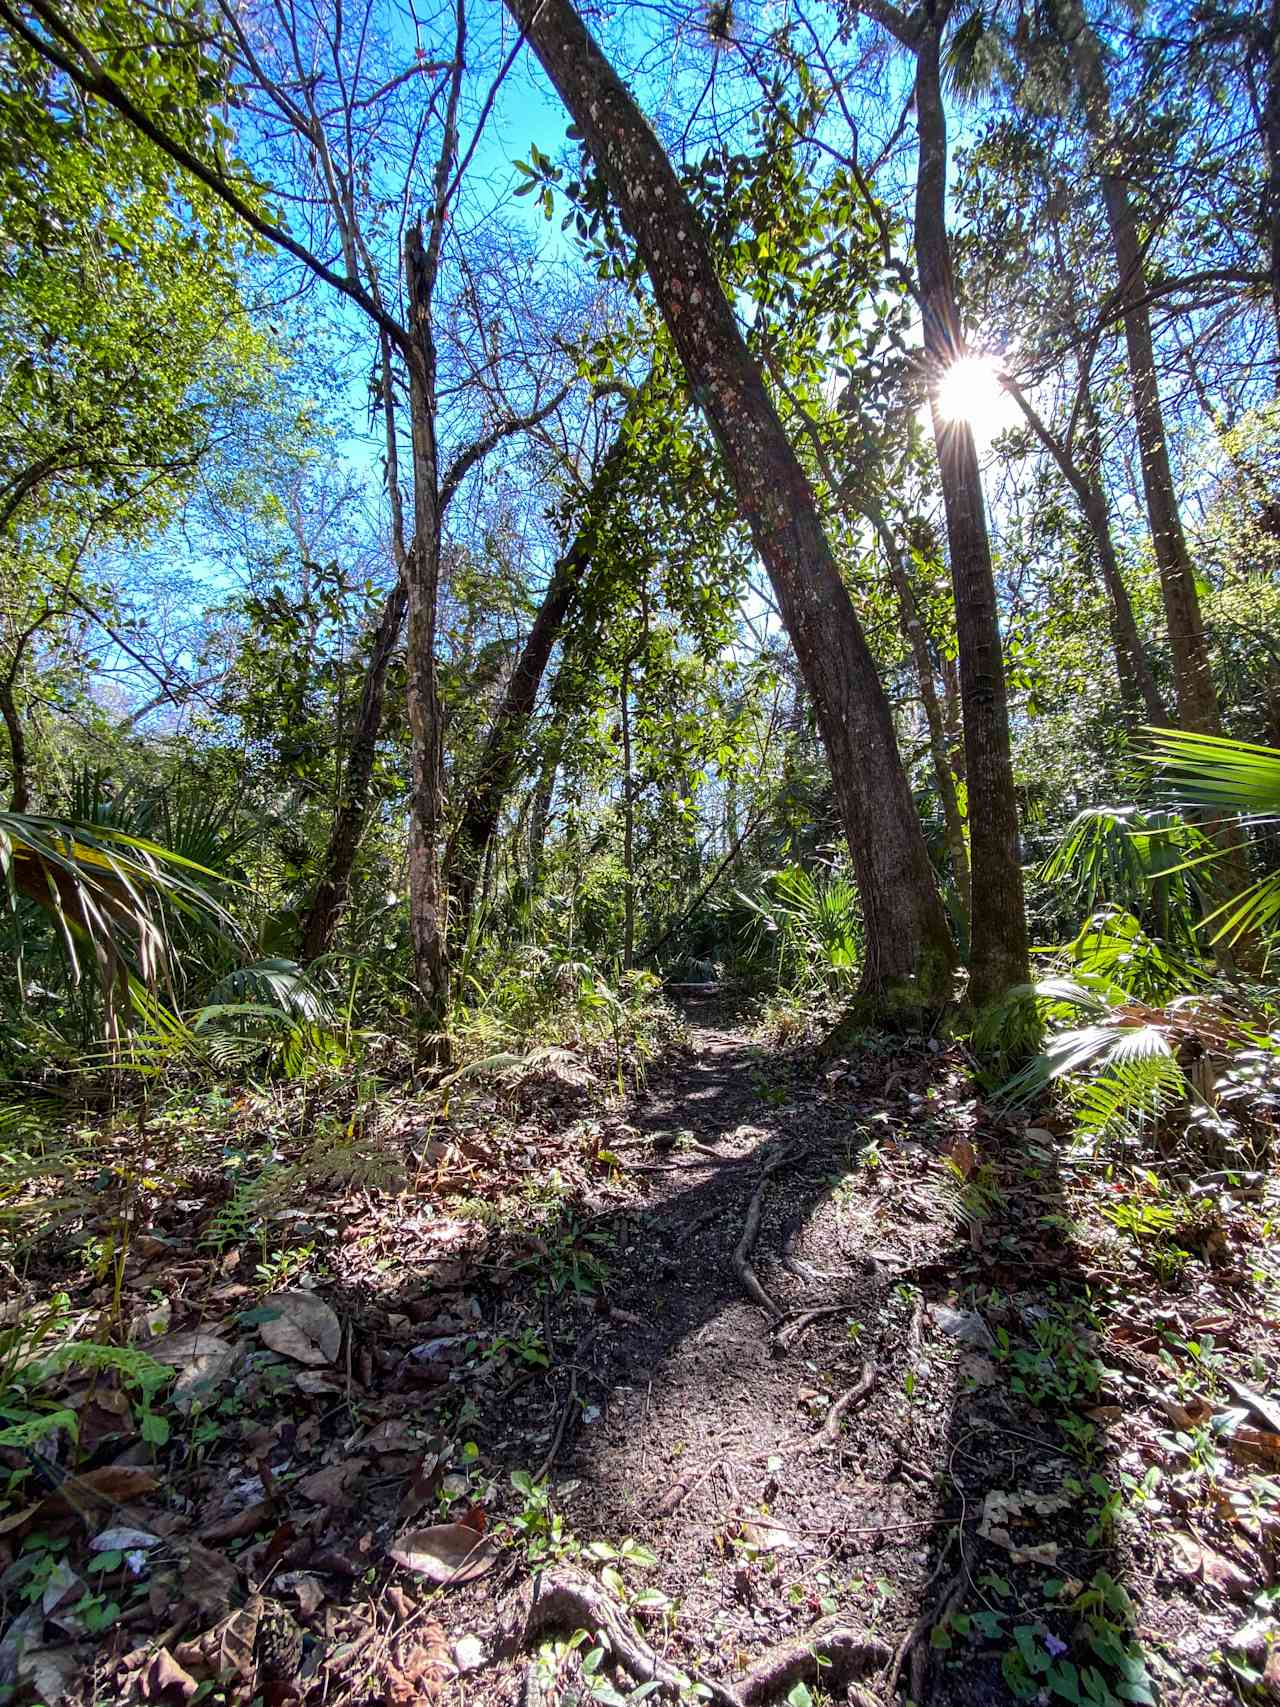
[478, 822]
[333, 889]
[998, 954]
[1138, 690]
[909, 951]
[427, 901]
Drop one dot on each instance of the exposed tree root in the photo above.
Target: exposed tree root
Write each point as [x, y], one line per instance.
[829, 1433]
[746, 1244]
[571, 1600]
[787, 1333]
[832, 1652]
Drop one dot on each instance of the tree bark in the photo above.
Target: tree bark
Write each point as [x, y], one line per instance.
[998, 955]
[332, 892]
[909, 951]
[944, 776]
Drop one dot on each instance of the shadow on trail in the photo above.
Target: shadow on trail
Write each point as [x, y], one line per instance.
[959, 1511]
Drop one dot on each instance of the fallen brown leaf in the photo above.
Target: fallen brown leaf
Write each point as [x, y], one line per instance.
[446, 1553]
[164, 1679]
[302, 1327]
[239, 1524]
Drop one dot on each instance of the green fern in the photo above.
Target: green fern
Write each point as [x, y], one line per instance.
[237, 1219]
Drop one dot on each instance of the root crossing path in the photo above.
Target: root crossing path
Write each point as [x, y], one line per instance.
[752, 1391]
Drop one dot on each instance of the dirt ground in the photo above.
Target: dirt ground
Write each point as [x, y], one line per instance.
[782, 1380]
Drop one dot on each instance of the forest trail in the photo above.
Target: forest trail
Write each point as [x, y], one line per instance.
[768, 1402]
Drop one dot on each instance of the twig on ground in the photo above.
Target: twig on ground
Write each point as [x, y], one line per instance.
[680, 1490]
[544, 1469]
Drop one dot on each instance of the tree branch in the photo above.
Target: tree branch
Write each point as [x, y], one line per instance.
[90, 77]
[474, 453]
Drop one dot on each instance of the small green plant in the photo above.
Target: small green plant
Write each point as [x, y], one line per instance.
[537, 1527]
[527, 1346]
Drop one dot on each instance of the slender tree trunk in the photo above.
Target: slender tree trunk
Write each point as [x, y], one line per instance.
[628, 823]
[918, 641]
[334, 887]
[1194, 692]
[19, 796]
[427, 900]
[540, 814]
[909, 951]
[1138, 683]
[953, 720]
[998, 956]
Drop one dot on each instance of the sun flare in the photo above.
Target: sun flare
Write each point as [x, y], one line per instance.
[970, 391]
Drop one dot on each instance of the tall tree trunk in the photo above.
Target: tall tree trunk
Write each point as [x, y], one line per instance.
[1269, 30]
[944, 776]
[909, 951]
[628, 824]
[333, 889]
[998, 955]
[1194, 692]
[19, 796]
[427, 900]
[478, 822]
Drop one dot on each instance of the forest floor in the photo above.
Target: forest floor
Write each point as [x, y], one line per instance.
[798, 1380]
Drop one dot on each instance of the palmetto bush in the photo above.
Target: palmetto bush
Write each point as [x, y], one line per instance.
[1165, 1045]
[813, 927]
[144, 924]
[113, 900]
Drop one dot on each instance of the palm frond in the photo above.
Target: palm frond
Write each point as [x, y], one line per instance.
[1235, 779]
[107, 891]
[280, 984]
